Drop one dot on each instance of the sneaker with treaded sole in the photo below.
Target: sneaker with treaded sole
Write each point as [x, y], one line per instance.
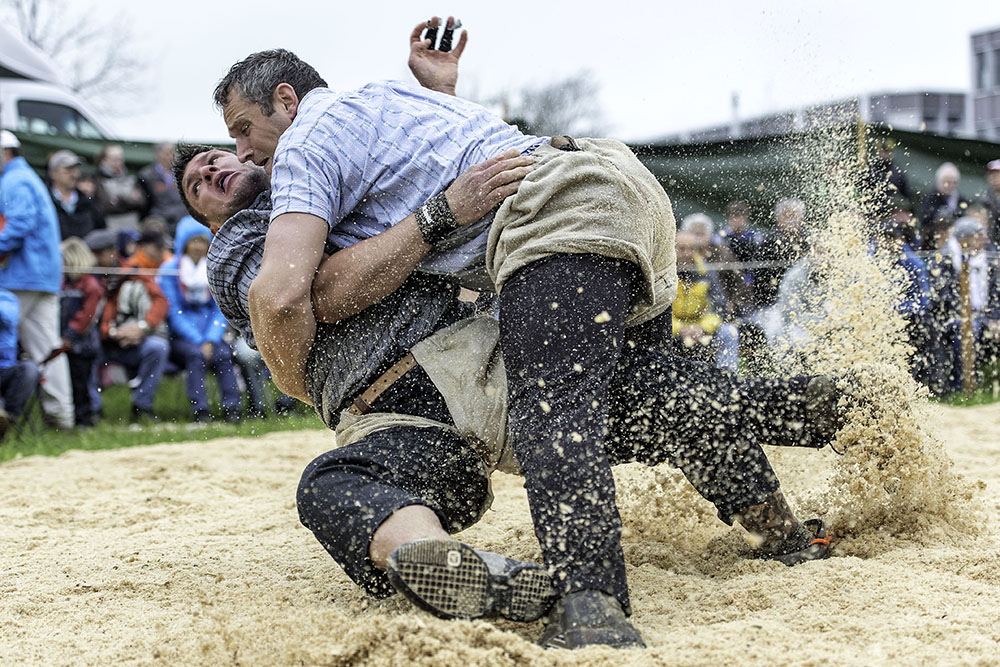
[452, 580]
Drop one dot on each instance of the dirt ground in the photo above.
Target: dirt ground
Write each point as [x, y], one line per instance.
[193, 554]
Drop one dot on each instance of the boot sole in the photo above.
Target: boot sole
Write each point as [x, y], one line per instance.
[450, 580]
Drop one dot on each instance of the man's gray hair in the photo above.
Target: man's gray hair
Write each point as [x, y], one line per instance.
[255, 77]
[795, 206]
[945, 169]
[697, 223]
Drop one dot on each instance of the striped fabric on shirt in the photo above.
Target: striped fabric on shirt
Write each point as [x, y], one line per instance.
[366, 159]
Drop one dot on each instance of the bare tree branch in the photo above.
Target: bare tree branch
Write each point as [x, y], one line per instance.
[97, 56]
[569, 106]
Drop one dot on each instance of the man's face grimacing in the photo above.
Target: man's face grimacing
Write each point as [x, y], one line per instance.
[218, 185]
[257, 134]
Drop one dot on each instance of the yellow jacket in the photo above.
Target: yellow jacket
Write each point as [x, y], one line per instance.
[692, 305]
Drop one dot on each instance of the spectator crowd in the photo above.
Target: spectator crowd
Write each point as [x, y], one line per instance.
[103, 276]
[747, 291]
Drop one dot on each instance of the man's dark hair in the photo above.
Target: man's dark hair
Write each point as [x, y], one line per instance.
[256, 76]
[183, 154]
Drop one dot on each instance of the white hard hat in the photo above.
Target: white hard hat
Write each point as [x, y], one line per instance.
[8, 140]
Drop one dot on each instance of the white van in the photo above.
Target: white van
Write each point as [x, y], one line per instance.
[34, 99]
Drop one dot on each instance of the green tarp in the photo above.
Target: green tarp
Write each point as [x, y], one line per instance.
[705, 177]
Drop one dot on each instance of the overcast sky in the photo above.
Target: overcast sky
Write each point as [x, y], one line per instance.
[662, 67]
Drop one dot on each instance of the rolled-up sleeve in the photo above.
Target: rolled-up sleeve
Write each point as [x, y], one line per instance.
[304, 180]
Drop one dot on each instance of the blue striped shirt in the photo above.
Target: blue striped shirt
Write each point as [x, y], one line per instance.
[365, 160]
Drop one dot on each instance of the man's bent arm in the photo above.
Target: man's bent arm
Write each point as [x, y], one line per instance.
[363, 274]
[281, 314]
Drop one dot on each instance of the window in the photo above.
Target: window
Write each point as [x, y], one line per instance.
[980, 70]
[55, 119]
[996, 67]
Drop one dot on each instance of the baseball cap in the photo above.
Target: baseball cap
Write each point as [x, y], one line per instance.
[8, 140]
[101, 239]
[993, 165]
[64, 158]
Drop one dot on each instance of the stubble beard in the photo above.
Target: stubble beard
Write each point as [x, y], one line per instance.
[247, 189]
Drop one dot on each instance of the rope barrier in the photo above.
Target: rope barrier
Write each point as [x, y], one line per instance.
[719, 267]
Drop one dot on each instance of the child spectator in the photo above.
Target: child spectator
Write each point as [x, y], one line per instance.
[82, 302]
[714, 250]
[974, 258]
[18, 379]
[251, 366]
[154, 223]
[697, 320]
[128, 242]
[133, 327]
[196, 323]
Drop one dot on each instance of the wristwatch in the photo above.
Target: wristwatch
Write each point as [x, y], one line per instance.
[144, 325]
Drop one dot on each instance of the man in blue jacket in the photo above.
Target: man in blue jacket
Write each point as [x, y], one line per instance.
[31, 268]
[196, 323]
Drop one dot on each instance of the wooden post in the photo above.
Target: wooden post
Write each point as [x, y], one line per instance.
[966, 336]
[861, 133]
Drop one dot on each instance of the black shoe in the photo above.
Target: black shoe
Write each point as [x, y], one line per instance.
[284, 406]
[452, 580]
[202, 416]
[88, 421]
[142, 415]
[258, 412]
[232, 416]
[5, 423]
[817, 549]
[589, 618]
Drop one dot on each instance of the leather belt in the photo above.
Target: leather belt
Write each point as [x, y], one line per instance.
[564, 143]
[363, 403]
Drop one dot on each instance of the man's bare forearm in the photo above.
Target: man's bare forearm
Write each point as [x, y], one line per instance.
[284, 337]
[280, 298]
[363, 274]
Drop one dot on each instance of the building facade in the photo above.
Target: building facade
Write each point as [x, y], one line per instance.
[985, 99]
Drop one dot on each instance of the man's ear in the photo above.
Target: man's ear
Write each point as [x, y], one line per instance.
[286, 99]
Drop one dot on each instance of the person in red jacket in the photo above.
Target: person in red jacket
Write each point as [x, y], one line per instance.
[81, 305]
[133, 327]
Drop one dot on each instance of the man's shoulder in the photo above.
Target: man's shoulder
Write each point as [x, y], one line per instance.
[322, 105]
[19, 173]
